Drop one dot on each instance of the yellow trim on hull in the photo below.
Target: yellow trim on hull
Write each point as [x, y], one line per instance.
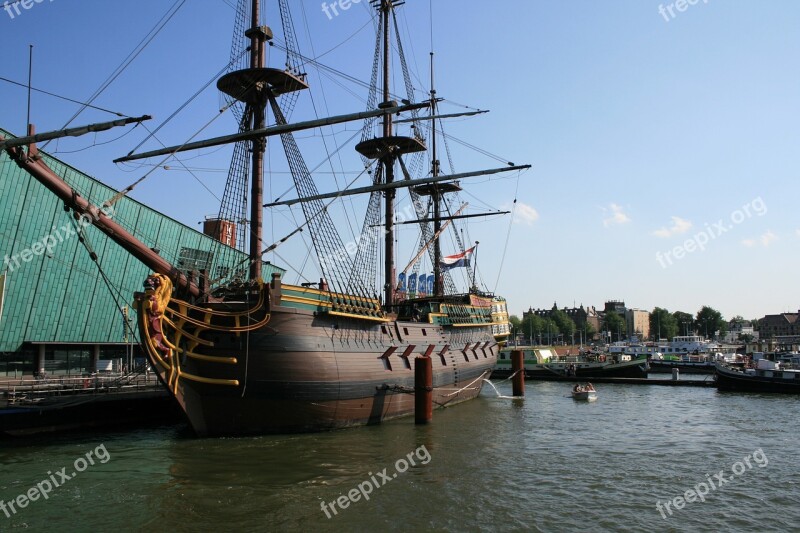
[210, 381]
[210, 358]
[306, 301]
[359, 317]
[326, 294]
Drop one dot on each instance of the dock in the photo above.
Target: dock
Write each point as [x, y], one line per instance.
[31, 406]
[710, 383]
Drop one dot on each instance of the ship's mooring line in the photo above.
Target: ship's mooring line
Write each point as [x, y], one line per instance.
[479, 378]
[510, 377]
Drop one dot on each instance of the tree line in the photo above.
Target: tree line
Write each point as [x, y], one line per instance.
[707, 322]
[549, 328]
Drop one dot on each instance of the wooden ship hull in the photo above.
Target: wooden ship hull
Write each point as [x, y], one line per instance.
[305, 369]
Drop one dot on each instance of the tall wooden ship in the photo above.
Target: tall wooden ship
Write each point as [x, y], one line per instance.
[243, 355]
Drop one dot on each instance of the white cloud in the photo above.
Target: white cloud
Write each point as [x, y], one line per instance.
[678, 226]
[797, 232]
[617, 216]
[766, 239]
[525, 214]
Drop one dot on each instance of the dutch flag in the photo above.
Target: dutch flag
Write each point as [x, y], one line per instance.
[457, 260]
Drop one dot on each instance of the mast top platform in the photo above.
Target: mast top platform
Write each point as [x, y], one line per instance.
[438, 188]
[247, 85]
[381, 147]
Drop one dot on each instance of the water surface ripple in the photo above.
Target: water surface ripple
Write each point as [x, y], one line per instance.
[545, 463]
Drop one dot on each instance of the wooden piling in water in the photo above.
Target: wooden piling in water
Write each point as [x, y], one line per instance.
[423, 390]
[518, 371]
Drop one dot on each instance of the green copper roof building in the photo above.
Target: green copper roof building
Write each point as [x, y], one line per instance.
[59, 310]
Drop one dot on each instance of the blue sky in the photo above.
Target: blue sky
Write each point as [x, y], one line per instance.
[648, 134]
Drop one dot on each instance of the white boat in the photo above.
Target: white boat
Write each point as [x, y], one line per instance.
[689, 345]
[584, 393]
[626, 351]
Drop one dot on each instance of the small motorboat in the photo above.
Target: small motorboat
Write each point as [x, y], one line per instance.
[584, 393]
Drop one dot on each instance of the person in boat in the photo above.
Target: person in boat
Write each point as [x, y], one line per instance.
[577, 388]
[589, 387]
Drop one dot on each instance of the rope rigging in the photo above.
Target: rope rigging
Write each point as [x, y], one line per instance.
[146, 40]
[115, 292]
[343, 272]
[335, 262]
[71, 100]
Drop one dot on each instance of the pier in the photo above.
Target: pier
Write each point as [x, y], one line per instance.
[32, 406]
[710, 383]
[20, 392]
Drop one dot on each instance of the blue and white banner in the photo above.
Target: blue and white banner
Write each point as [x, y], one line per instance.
[412, 283]
[457, 260]
[422, 283]
[401, 282]
[431, 281]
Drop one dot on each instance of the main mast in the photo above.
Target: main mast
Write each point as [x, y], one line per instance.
[388, 148]
[388, 161]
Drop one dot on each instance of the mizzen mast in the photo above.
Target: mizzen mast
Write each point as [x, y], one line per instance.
[435, 190]
[438, 287]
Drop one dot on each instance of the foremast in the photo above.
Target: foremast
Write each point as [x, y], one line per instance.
[254, 87]
[258, 37]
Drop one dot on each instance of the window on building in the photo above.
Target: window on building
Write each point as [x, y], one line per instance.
[191, 259]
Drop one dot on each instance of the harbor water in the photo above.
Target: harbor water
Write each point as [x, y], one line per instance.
[545, 463]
